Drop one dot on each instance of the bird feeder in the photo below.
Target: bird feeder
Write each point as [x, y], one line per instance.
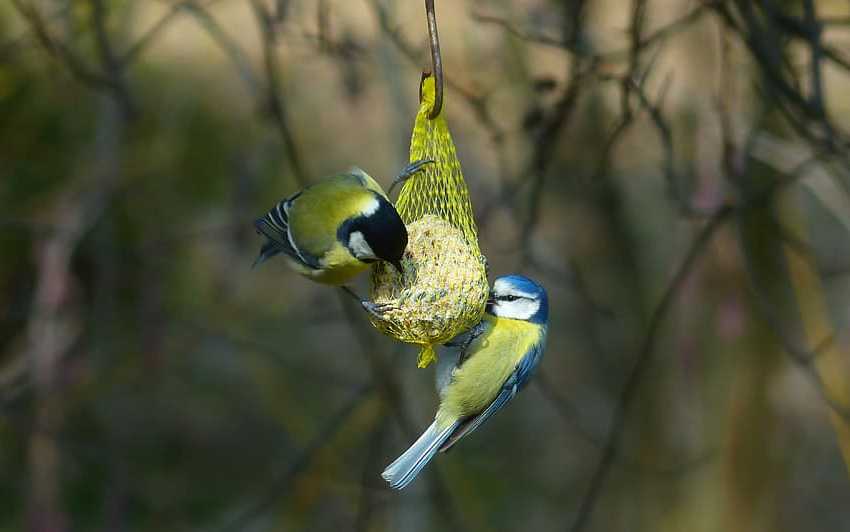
[442, 289]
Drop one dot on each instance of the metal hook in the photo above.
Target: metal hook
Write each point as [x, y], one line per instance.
[436, 59]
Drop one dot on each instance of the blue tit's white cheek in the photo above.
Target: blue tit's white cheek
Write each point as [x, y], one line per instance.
[359, 247]
[521, 309]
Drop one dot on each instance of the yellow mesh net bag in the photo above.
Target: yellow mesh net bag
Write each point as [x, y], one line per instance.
[443, 288]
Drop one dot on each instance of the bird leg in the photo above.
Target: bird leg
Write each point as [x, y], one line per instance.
[352, 293]
[409, 171]
[377, 310]
[466, 341]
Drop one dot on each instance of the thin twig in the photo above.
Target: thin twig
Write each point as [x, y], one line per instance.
[283, 480]
[395, 402]
[640, 365]
[60, 52]
[276, 105]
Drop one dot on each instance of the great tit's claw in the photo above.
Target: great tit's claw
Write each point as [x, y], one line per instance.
[377, 310]
[409, 171]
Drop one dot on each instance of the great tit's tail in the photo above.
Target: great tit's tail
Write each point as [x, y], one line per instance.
[404, 469]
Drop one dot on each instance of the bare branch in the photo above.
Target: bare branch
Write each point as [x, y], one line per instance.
[640, 365]
[276, 104]
[226, 43]
[284, 479]
[656, 36]
[60, 52]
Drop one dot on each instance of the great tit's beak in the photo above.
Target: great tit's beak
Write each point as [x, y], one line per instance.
[397, 265]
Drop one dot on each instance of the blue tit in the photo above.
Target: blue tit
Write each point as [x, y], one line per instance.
[332, 230]
[497, 360]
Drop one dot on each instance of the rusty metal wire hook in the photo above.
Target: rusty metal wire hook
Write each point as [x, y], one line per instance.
[436, 59]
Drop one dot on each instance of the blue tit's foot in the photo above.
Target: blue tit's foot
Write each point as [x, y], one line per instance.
[467, 337]
[377, 310]
[463, 341]
[409, 171]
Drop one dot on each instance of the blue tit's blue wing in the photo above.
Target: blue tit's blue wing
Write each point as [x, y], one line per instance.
[526, 367]
[518, 379]
[472, 423]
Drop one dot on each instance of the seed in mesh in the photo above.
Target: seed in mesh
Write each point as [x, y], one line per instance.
[442, 290]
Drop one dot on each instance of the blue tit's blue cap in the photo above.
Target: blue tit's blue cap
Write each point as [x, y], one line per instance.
[531, 288]
[523, 283]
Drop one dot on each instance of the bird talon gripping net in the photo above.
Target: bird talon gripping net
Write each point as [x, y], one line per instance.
[443, 288]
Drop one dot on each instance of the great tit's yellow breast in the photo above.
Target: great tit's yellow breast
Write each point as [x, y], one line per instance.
[317, 214]
[493, 357]
[338, 266]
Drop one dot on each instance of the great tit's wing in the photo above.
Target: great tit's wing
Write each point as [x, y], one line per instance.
[316, 216]
[518, 379]
[277, 240]
[275, 227]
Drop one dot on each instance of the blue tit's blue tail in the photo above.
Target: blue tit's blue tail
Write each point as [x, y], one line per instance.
[404, 469]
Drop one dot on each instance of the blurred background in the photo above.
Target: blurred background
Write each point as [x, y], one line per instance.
[675, 172]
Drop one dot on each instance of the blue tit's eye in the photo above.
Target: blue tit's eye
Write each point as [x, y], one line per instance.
[509, 298]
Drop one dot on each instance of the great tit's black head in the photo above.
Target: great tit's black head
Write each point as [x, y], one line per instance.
[377, 234]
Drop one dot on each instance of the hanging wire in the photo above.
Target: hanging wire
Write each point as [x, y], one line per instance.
[436, 59]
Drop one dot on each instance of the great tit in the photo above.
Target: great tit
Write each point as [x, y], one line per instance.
[332, 230]
[497, 359]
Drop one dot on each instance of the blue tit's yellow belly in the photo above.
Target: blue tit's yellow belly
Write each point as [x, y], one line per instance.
[493, 358]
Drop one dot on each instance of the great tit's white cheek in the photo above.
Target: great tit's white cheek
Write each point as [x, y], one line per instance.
[371, 207]
[359, 247]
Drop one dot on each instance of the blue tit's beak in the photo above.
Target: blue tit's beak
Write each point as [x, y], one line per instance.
[491, 300]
